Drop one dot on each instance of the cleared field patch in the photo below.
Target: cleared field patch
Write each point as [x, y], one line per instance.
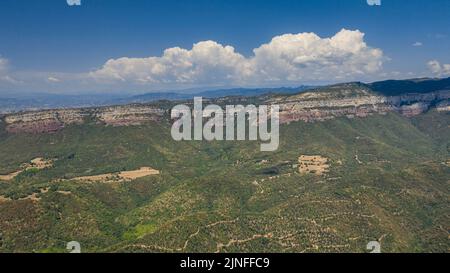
[35, 164]
[97, 178]
[313, 164]
[142, 172]
[118, 177]
[35, 196]
[11, 176]
[4, 199]
[40, 163]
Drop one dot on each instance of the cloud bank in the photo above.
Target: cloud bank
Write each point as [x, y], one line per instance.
[287, 58]
[438, 69]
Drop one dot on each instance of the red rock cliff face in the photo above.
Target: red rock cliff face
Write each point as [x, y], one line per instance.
[53, 120]
[42, 121]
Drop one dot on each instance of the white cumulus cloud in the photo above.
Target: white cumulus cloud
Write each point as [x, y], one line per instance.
[286, 58]
[207, 61]
[53, 79]
[439, 69]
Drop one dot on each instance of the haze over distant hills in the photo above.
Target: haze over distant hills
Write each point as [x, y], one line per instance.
[13, 103]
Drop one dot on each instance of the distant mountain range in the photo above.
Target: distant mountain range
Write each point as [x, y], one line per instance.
[399, 87]
[52, 101]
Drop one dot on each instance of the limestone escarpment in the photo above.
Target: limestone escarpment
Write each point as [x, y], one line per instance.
[53, 120]
[128, 115]
[352, 101]
[43, 121]
[344, 100]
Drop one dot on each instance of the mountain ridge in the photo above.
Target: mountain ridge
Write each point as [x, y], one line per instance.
[348, 99]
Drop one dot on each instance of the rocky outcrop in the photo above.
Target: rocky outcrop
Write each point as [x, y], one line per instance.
[128, 115]
[413, 109]
[43, 121]
[352, 101]
[53, 120]
[345, 100]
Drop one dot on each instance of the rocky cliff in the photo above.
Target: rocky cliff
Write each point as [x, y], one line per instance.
[54, 120]
[344, 100]
[354, 100]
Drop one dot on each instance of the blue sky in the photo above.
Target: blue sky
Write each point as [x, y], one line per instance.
[49, 46]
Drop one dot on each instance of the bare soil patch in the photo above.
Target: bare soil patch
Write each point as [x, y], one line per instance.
[4, 199]
[37, 163]
[40, 163]
[119, 177]
[10, 176]
[142, 172]
[64, 192]
[314, 164]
